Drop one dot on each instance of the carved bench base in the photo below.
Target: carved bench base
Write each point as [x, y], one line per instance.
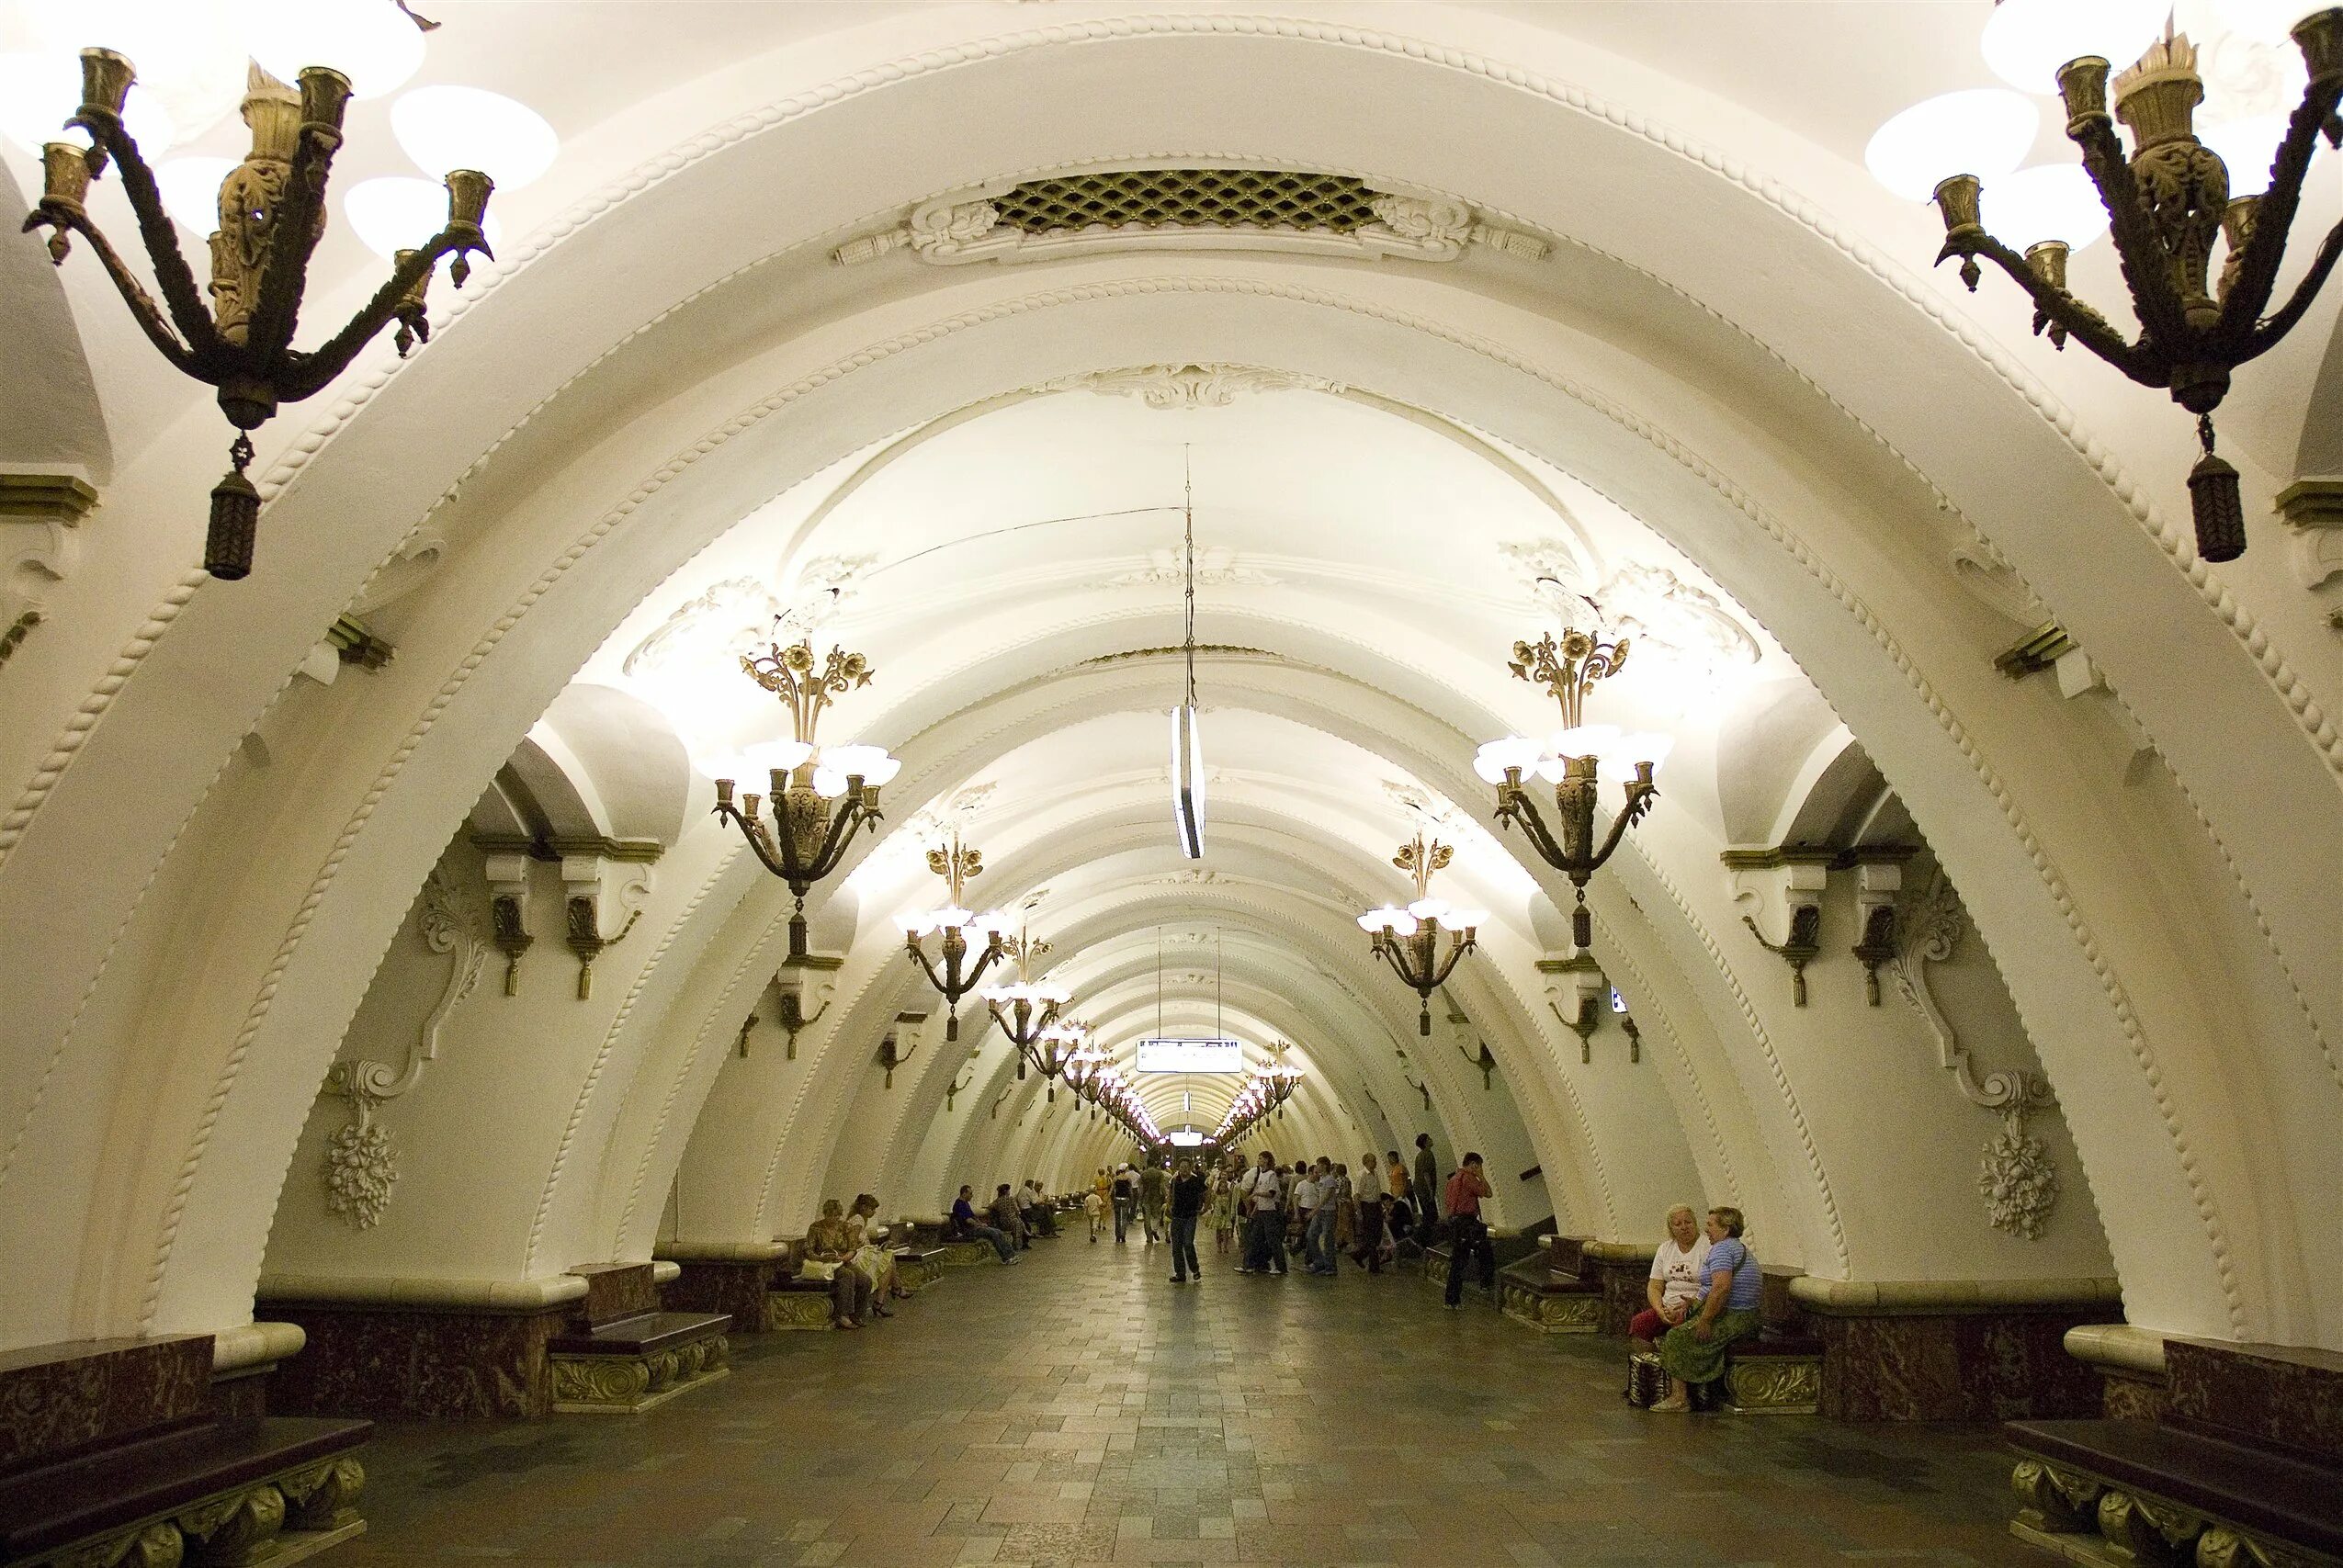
[968, 1254]
[622, 1385]
[2085, 1520]
[916, 1274]
[805, 1310]
[282, 1520]
[1550, 1311]
[1774, 1385]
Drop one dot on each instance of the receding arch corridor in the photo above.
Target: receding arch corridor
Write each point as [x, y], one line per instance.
[1080, 1410]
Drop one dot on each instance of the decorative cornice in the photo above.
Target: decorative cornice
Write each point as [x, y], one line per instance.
[2036, 652]
[46, 498]
[558, 846]
[1889, 1297]
[422, 1293]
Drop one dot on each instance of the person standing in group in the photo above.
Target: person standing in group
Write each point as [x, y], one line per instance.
[1467, 1237]
[1265, 1194]
[1427, 1186]
[1304, 1206]
[1126, 1194]
[1402, 1190]
[1006, 1219]
[1187, 1207]
[1224, 1211]
[1366, 1236]
[1317, 1229]
[1155, 1189]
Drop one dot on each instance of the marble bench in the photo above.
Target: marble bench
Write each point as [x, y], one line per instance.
[1547, 1300]
[1778, 1372]
[2155, 1495]
[635, 1363]
[224, 1493]
[622, 1354]
[917, 1268]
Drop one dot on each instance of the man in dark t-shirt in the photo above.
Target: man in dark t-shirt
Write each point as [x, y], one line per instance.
[1187, 1205]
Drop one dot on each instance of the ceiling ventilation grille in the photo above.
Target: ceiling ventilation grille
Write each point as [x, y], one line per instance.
[1226, 198]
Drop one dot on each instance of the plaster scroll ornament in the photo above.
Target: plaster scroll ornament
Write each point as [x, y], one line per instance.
[1659, 610]
[1216, 567]
[360, 1165]
[718, 625]
[2019, 1179]
[410, 566]
[1992, 582]
[1171, 387]
[823, 586]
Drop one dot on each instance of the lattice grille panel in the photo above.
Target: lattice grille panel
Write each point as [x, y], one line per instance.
[1227, 198]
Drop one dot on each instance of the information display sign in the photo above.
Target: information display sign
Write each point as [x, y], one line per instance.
[1190, 1057]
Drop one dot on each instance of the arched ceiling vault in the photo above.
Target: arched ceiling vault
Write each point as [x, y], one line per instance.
[616, 423]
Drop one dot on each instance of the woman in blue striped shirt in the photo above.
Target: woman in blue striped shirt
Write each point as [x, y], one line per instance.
[1693, 1351]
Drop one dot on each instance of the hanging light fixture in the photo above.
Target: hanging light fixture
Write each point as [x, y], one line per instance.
[1187, 743]
[272, 215]
[1409, 938]
[2169, 201]
[1025, 1008]
[1570, 760]
[955, 976]
[808, 835]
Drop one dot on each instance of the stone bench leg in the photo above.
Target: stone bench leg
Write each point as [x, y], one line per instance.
[1774, 1385]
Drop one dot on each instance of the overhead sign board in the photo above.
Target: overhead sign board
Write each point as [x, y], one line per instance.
[1190, 1057]
[1183, 1137]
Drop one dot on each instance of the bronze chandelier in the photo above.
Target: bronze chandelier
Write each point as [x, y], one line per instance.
[2166, 204]
[272, 215]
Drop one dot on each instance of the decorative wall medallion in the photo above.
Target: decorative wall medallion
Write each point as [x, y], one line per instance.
[1279, 210]
[360, 1171]
[2018, 1178]
[360, 1167]
[1172, 387]
[1216, 567]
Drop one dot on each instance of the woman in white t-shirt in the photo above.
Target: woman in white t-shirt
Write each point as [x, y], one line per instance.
[1677, 1281]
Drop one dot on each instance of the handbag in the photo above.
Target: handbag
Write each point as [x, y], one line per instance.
[1648, 1381]
[813, 1270]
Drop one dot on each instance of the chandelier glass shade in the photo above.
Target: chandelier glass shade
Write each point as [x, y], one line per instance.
[1409, 938]
[1572, 761]
[1027, 1008]
[1267, 1088]
[2171, 202]
[271, 213]
[821, 796]
[958, 932]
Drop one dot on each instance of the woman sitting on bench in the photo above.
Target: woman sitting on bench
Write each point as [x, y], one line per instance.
[829, 1256]
[1693, 1351]
[876, 1264]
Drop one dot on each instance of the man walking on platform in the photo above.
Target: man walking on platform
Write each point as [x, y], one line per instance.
[1467, 1235]
[1427, 1189]
[1187, 1207]
[1265, 1194]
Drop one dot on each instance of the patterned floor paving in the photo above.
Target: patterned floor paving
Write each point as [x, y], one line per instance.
[1081, 1410]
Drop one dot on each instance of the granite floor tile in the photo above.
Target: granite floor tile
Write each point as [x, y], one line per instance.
[1079, 1410]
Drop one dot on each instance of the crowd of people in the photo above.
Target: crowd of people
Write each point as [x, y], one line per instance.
[1266, 1212]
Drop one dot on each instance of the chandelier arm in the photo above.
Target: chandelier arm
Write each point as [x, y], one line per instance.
[2081, 321]
[918, 957]
[181, 294]
[842, 827]
[292, 239]
[753, 832]
[1524, 811]
[2256, 274]
[309, 373]
[1629, 814]
[2163, 321]
[1456, 951]
[2265, 333]
[143, 309]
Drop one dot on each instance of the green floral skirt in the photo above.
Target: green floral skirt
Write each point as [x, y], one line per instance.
[1689, 1359]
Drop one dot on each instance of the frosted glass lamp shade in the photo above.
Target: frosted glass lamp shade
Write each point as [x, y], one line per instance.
[471, 128]
[766, 756]
[366, 40]
[1985, 131]
[394, 213]
[2049, 201]
[1464, 920]
[869, 764]
[2026, 41]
